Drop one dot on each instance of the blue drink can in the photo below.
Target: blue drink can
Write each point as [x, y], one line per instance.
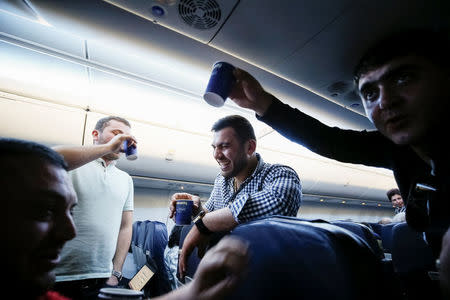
[220, 84]
[130, 152]
[183, 211]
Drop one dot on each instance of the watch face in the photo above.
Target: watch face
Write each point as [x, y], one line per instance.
[117, 274]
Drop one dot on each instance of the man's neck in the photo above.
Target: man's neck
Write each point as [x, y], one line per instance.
[107, 161]
[246, 172]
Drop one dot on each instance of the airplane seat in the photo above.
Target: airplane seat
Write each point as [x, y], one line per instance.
[413, 260]
[294, 259]
[363, 232]
[386, 236]
[376, 228]
[149, 239]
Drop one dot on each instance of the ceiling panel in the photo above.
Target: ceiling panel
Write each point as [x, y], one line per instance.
[198, 19]
[266, 32]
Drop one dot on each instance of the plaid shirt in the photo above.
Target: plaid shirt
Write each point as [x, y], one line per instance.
[270, 190]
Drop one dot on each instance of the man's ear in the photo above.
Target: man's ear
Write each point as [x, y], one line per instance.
[95, 135]
[251, 148]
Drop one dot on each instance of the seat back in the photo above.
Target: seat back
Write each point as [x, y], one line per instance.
[386, 236]
[409, 250]
[148, 243]
[294, 259]
[363, 232]
[412, 259]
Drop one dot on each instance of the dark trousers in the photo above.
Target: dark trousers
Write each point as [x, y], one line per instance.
[86, 289]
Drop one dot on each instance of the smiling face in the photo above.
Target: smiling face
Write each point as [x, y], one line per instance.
[406, 99]
[232, 156]
[40, 202]
[397, 201]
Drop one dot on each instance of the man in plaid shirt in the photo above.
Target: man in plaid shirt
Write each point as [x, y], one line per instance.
[246, 189]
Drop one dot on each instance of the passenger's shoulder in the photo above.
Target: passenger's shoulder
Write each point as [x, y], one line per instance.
[280, 169]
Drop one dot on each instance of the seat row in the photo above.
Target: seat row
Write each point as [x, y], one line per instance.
[315, 259]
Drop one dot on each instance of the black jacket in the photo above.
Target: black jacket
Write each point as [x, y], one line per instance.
[371, 148]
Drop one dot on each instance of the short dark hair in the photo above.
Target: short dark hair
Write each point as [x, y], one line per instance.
[432, 45]
[392, 192]
[104, 122]
[10, 147]
[241, 126]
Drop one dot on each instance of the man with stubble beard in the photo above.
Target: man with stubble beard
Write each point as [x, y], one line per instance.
[247, 188]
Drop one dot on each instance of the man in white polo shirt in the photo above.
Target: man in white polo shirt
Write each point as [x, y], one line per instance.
[103, 216]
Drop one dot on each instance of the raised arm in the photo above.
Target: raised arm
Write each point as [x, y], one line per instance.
[76, 156]
[351, 146]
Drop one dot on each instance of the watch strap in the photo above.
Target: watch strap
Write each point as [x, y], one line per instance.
[202, 227]
[117, 274]
[200, 215]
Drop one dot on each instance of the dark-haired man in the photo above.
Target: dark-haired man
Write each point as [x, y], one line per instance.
[104, 214]
[403, 83]
[39, 200]
[247, 188]
[396, 199]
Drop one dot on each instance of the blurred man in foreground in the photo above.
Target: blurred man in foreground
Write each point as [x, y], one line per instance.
[40, 199]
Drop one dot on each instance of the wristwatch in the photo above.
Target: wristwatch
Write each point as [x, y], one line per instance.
[198, 221]
[117, 274]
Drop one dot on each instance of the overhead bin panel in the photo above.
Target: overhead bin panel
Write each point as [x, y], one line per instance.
[148, 62]
[158, 105]
[41, 33]
[40, 121]
[38, 75]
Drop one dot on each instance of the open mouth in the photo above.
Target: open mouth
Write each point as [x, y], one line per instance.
[224, 166]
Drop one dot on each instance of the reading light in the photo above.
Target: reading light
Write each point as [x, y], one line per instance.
[158, 11]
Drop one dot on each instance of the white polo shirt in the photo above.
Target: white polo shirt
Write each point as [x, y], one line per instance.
[103, 194]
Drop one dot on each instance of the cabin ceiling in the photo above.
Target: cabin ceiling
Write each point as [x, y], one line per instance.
[301, 51]
[312, 44]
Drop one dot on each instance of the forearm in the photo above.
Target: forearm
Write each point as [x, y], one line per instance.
[76, 156]
[349, 146]
[220, 220]
[184, 292]
[123, 244]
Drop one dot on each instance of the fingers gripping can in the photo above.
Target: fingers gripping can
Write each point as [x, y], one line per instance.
[130, 151]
